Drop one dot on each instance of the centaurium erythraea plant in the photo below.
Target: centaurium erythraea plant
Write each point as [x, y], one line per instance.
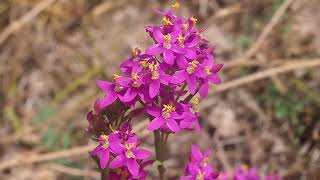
[162, 83]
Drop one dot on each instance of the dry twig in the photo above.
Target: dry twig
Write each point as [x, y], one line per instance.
[16, 25]
[74, 171]
[268, 28]
[45, 157]
[291, 66]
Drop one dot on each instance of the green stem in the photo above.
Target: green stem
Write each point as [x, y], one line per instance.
[181, 90]
[158, 145]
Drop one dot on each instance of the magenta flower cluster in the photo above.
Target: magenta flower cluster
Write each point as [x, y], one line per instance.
[162, 83]
[199, 167]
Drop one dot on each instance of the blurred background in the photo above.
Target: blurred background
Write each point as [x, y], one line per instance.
[265, 114]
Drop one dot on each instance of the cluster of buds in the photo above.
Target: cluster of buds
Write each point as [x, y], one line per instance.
[161, 82]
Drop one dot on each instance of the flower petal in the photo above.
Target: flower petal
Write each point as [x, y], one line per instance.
[196, 153]
[154, 88]
[141, 153]
[157, 34]
[129, 95]
[192, 84]
[104, 85]
[172, 125]
[203, 91]
[154, 49]
[179, 77]
[156, 123]
[215, 79]
[182, 62]
[191, 53]
[104, 158]
[108, 99]
[133, 166]
[118, 161]
[168, 56]
[154, 111]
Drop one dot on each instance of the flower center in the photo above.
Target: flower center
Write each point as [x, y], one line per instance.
[167, 39]
[135, 52]
[207, 70]
[166, 109]
[194, 20]
[129, 153]
[136, 84]
[155, 75]
[200, 175]
[185, 26]
[205, 162]
[181, 40]
[116, 76]
[195, 103]
[175, 5]
[166, 21]
[192, 66]
[144, 63]
[118, 88]
[105, 141]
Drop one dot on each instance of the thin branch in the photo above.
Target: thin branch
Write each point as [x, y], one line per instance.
[74, 171]
[18, 24]
[23, 160]
[287, 67]
[276, 18]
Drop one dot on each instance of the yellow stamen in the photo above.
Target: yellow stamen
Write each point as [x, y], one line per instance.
[116, 76]
[194, 20]
[168, 108]
[207, 70]
[185, 26]
[135, 76]
[135, 52]
[181, 40]
[200, 175]
[105, 141]
[166, 21]
[167, 39]
[118, 88]
[129, 153]
[175, 5]
[155, 75]
[195, 101]
[192, 66]
[144, 63]
[165, 115]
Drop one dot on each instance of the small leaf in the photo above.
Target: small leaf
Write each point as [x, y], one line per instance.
[157, 163]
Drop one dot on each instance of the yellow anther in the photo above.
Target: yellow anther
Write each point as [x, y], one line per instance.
[155, 75]
[167, 39]
[116, 76]
[181, 40]
[194, 20]
[192, 66]
[144, 63]
[105, 141]
[136, 51]
[207, 70]
[129, 153]
[166, 21]
[195, 101]
[200, 175]
[244, 167]
[168, 108]
[118, 88]
[166, 115]
[153, 67]
[135, 76]
[175, 5]
[185, 26]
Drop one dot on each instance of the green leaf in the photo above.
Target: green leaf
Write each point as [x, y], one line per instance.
[157, 163]
[50, 139]
[44, 113]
